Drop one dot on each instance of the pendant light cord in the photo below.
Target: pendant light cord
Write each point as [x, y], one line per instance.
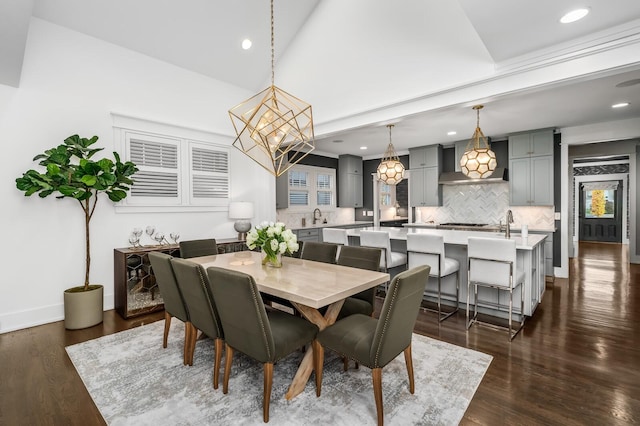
[272, 49]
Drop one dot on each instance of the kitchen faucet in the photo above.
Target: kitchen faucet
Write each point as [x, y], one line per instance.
[316, 219]
[507, 230]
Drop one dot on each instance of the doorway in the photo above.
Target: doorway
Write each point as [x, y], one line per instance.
[600, 211]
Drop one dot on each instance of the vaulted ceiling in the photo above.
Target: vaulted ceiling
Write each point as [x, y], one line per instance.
[365, 63]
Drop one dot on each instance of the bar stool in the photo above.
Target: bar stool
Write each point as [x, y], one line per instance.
[493, 263]
[380, 239]
[335, 236]
[426, 249]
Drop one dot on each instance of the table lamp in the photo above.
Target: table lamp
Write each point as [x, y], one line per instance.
[242, 211]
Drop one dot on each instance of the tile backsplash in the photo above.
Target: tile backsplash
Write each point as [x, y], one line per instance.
[484, 203]
[293, 218]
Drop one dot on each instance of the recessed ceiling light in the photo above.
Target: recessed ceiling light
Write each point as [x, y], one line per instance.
[363, 147]
[246, 44]
[574, 15]
[620, 105]
[451, 133]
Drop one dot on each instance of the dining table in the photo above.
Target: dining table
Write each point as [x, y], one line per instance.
[307, 284]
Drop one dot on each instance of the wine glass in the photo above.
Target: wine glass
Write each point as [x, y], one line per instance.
[134, 240]
[137, 232]
[159, 237]
[174, 236]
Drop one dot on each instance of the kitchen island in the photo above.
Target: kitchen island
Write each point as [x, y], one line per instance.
[530, 257]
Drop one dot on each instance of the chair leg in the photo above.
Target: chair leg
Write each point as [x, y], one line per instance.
[216, 364]
[193, 333]
[409, 361]
[345, 363]
[228, 350]
[268, 382]
[167, 324]
[185, 350]
[377, 392]
[318, 358]
[468, 299]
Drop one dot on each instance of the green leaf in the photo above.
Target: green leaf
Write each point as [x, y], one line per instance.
[117, 195]
[89, 180]
[53, 168]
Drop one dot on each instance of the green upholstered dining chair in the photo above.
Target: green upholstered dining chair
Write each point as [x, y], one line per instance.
[194, 286]
[319, 252]
[376, 342]
[266, 336]
[363, 258]
[174, 305]
[197, 248]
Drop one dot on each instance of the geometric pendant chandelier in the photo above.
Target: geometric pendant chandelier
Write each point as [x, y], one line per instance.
[390, 170]
[274, 128]
[478, 160]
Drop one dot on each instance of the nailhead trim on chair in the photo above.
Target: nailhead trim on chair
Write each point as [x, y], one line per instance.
[206, 291]
[386, 322]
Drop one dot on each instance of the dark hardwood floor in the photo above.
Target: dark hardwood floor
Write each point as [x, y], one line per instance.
[577, 361]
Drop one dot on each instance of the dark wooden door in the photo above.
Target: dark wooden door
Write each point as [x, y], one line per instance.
[601, 214]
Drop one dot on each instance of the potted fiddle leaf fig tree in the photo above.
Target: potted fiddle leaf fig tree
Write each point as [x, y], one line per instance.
[70, 172]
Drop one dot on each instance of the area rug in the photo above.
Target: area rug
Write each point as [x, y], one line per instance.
[134, 381]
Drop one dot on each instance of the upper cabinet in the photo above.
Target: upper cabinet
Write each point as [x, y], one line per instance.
[531, 168]
[425, 156]
[425, 166]
[534, 144]
[350, 181]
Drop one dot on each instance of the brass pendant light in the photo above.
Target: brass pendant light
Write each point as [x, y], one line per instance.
[390, 170]
[478, 160]
[274, 128]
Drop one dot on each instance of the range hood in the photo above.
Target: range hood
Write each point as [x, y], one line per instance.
[458, 178]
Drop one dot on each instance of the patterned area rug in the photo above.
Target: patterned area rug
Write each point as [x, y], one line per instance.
[134, 381]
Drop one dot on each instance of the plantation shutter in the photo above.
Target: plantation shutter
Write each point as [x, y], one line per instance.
[209, 174]
[158, 164]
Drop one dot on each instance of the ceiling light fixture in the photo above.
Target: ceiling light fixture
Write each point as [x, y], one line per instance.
[574, 15]
[478, 161]
[274, 128]
[620, 105]
[390, 170]
[246, 44]
[363, 147]
[451, 133]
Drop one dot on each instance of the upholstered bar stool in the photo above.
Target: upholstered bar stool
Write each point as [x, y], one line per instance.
[335, 236]
[389, 259]
[493, 263]
[426, 249]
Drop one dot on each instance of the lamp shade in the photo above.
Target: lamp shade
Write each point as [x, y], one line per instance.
[241, 210]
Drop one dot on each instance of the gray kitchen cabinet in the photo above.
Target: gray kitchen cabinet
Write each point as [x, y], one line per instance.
[531, 169]
[309, 235]
[282, 191]
[532, 144]
[424, 189]
[425, 156]
[349, 181]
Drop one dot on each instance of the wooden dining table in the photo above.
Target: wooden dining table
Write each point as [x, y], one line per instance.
[307, 284]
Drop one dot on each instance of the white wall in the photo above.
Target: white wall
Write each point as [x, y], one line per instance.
[70, 84]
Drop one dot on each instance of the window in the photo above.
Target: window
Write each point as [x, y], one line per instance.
[387, 195]
[600, 203]
[311, 187]
[175, 172]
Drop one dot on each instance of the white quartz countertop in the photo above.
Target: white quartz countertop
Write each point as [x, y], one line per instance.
[489, 228]
[334, 225]
[458, 237]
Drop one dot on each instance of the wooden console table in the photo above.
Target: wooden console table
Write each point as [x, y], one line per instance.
[135, 289]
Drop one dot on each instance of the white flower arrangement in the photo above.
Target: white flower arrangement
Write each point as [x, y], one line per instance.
[273, 239]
